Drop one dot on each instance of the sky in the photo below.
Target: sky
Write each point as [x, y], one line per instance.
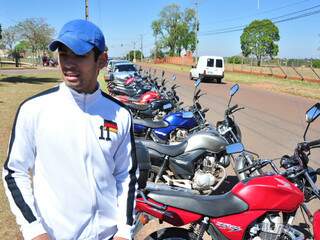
[127, 23]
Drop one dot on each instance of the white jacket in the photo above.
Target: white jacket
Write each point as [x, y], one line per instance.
[79, 151]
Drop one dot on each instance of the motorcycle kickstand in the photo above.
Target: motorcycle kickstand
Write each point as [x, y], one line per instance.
[162, 169]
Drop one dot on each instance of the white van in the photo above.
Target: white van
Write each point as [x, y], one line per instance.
[208, 67]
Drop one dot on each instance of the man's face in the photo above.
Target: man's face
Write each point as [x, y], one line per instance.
[80, 72]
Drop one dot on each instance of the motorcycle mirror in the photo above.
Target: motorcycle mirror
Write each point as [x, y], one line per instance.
[174, 77]
[197, 83]
[234, 89]
[234, 148]
[313, 113]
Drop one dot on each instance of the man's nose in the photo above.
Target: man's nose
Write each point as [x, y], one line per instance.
[70, 61]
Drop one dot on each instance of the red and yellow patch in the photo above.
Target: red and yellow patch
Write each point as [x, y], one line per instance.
[112, 126]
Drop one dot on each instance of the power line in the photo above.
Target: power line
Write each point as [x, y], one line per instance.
[274, 18]
[241, 27]
[260, 13]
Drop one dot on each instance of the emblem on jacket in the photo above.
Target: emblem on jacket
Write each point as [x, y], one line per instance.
[108, 126]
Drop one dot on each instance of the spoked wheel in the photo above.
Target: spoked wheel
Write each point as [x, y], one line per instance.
[171, 233]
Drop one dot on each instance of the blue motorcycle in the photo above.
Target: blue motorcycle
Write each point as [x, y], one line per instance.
[175, 126]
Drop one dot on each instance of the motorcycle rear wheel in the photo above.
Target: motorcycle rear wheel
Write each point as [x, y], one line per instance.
[171, 233]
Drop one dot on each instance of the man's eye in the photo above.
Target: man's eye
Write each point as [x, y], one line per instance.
[81, 56]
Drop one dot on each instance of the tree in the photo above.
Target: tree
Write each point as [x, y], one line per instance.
[0, 31]
[259, 39]
[138, 54]
[37, 32]
[22, 47]
[175, 30]
[9, 38]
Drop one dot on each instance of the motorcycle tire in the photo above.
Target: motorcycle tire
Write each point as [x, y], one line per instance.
[171, 233]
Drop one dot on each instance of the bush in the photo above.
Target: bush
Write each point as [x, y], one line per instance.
[316, 63]
[235, 60]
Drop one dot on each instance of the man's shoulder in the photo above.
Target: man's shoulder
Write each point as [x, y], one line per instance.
[115, 102]
[43, 93]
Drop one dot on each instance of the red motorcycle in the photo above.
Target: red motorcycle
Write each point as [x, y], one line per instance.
[145, 98]
[260, 207]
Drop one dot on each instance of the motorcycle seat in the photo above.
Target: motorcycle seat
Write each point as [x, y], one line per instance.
[211, 206]
[150, 123]
[169, 150]
[138, 107]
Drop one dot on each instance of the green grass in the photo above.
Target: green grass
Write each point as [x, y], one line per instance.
[294, 87]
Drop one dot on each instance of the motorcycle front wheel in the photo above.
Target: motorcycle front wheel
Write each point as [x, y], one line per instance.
[171, 233]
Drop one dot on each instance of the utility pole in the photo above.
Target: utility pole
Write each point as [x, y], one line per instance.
[155, 50]
[141, 38]
[197, 28]
[134, 51]
[87, 9]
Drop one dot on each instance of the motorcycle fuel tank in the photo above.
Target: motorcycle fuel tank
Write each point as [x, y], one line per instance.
[149, 96]
[210, 140]
[181, 119]
[269, 193]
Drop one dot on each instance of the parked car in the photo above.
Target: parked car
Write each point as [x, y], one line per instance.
[122, 70]
[208, 67]
[112, 62]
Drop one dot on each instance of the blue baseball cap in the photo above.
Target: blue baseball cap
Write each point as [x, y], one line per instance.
[80, 36]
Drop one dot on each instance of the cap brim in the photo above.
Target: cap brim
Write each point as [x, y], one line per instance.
[78, 46]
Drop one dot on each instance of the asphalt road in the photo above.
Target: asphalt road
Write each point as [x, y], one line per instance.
[271, 123]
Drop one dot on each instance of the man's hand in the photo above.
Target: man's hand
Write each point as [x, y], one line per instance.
[119, 238]
[42, 237]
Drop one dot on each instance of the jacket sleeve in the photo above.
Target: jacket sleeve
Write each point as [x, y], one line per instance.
[126, 178]
[16, 175]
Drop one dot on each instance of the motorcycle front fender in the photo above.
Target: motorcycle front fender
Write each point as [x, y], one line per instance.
[316, 225]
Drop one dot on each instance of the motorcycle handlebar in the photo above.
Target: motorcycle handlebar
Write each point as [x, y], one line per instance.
[257, 164]
[230, 109]
[205, 110]
[314, 143]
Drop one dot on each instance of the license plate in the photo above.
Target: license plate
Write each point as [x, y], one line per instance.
[167, 106]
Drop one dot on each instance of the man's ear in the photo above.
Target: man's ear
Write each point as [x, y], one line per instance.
[102, 60]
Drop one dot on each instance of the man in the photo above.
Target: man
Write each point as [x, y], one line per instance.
[77, 144]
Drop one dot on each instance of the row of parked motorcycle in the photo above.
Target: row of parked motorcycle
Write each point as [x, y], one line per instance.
[183, 161]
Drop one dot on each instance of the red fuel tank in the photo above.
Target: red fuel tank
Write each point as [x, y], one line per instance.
[149, 97]
[272, 192]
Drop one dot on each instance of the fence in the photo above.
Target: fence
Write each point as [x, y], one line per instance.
[275, 68]
[286, 72]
